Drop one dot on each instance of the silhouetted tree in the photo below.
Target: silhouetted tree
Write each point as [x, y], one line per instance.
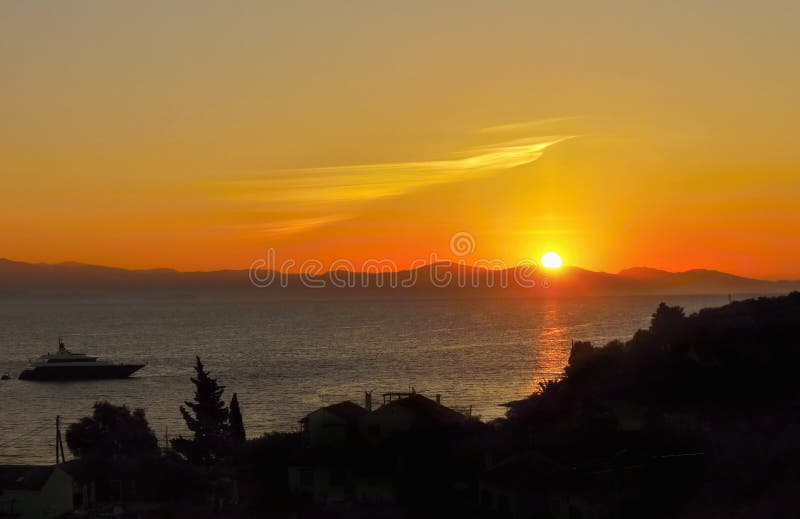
[668, 322]
[209, 423]
[112, 432]
[236, 424]
[580, 354]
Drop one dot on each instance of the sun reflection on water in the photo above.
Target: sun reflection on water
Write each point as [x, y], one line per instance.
[551, 344]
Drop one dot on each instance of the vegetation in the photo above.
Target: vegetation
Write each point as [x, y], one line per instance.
[744, 352]
[208, 418]
[720, 382]
[694, 417]
[112, 432]
[236, 425]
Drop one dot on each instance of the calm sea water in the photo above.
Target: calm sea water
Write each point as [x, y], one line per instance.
[286, 358]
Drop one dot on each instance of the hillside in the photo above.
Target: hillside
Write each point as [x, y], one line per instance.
[19, 277]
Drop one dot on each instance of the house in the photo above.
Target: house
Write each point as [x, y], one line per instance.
[34, 491]
[404, 412]
[332, 426]
[342, 464]
[323, 475]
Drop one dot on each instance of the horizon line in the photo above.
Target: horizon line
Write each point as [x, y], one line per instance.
[452, 263]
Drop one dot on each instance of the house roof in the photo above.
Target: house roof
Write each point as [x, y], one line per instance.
[425, 408]
[24, 477]
[346, 410]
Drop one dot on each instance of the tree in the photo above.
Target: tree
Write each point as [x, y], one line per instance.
[236, 424]
[580, 355]
[209, 423]
[112, 432]
[667, 324]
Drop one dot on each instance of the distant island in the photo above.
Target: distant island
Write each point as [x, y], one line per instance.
[20, 278]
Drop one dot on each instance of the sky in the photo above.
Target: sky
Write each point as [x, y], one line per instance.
[199, 135]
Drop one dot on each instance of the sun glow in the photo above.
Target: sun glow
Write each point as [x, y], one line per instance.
[551, 260]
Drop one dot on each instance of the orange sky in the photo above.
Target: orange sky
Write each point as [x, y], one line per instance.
[198, 135]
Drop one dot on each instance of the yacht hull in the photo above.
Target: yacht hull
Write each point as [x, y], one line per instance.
[80, 372]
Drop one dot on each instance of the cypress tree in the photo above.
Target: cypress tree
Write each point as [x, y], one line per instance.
[207, 418]
[236, 424]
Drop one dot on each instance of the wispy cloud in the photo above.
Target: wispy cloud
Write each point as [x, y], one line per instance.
[332, 193]
[340, 184]
[285, 226]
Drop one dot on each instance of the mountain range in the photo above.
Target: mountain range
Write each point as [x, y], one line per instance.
[20, 278]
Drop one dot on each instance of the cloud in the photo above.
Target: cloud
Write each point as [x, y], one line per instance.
[343, 184]
[329, 194]
[286, 226]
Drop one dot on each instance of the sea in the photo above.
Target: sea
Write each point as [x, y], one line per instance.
[286, 358]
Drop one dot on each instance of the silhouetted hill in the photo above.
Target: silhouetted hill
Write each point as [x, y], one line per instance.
[643, 273]
[710, 281]
[719, 386]
[20, 277]
[681, 361]
[15, 275]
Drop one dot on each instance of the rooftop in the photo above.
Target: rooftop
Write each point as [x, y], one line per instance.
[24, 477]
[424, 407]
[346, 410]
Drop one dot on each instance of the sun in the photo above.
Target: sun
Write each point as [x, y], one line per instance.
[551, 260]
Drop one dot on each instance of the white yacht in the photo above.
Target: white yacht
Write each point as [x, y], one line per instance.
[66, 365]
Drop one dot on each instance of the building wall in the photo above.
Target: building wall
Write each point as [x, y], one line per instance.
[375, 490]
[326, 429]
[24, 502]
[385, 422]
[52, 500]
[322, 484]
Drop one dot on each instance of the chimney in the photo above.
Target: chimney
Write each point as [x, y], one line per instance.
[438, 399]
[368, 400]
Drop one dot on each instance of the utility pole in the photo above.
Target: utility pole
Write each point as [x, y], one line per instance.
[59, 445]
